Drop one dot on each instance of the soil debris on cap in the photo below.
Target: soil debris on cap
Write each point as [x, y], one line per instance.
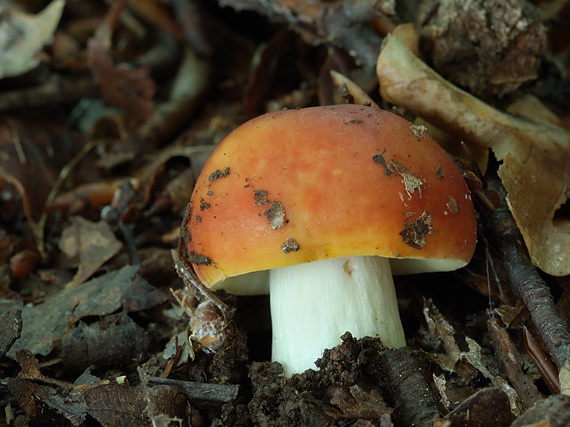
[275, 215]
[379, 158]
[418, 131]
[453, 206]
[290, 245]
[411, 182]
[204, 204]
[259, 197]
[439, 172]
[415, 233]
[219, 174]
[199, 259]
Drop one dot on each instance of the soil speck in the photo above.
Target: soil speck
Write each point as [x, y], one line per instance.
[418, 131]
[439, 172]
[275, 215]
[199, 259]
[218, 174]
[411, 182]
[290, 245]
[204, 204]
[415, 233]
[379, 158]
[453, 206]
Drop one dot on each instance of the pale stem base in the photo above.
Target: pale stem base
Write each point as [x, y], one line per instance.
[313, 304]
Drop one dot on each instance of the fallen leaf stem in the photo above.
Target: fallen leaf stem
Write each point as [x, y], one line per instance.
[201, 393]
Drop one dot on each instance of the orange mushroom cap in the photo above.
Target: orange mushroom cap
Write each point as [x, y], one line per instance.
[296, 186]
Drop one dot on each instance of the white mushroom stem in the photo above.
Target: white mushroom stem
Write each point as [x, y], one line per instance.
[313, 304]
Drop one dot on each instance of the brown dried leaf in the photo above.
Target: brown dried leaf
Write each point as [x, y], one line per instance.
[23, 391]
[60, 402]
[44, 324]
[113, 404]
[121, 86]
[536, 162]
[22, 36]
[489, 47]
[343, 24]
[29, 365]
[10, 328]
[27, 171]
[440, 327]
[490, 404]
[94, 243]
[86, 197]
[34, 397]
[355, 402]
[115, 341]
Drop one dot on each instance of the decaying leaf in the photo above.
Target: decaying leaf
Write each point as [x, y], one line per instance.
[121, 86]
[490, 47]
[10, 328]
[440, 327]
[94, 243]
[113, 404]
[116, 340]
[44, 324]
[22, 36]
[209, 316]
[86, 197]
[535, 158]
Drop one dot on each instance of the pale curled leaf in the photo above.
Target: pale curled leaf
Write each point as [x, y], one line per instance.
[535, 157]
[22, 36]
[360, 96]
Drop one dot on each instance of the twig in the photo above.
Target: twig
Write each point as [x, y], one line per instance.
[56, 90]
[63, 175]
[411, 386]
[542, 361]
[201, 393]
[529, 286]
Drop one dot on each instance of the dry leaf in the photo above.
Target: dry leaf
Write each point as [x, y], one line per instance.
[115, 341]
[440, 327]
[28, 168]
[22, 36]
[121, 85]
[113, 404]
[488, 47]
[343, 24]
[535, 159]
[44, 324]
[94, 243]
[10, 328]
[86, 197]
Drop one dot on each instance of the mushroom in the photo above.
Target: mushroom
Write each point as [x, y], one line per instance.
[319, 207]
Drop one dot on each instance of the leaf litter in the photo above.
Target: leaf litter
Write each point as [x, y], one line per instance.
[535, 167]
[114, 347]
